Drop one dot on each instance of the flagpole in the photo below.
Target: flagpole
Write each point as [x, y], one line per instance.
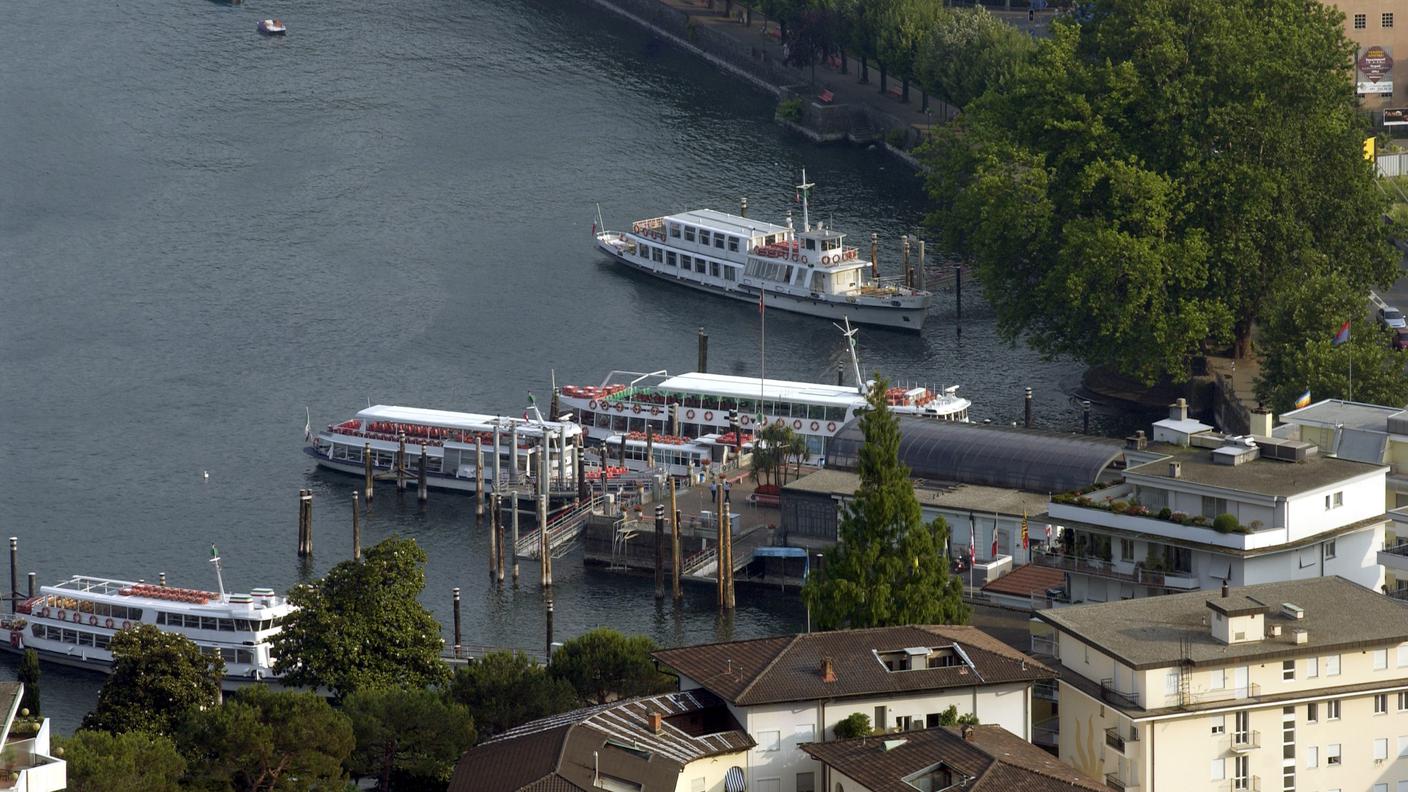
[762, 352]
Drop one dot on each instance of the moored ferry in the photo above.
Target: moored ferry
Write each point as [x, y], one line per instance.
[675, 456]
[812, 271]
[451, 442]
[73, 623]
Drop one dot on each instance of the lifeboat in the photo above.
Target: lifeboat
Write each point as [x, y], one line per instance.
[271, 27]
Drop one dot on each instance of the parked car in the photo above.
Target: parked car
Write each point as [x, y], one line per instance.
[1392, 317]
[1400, 338]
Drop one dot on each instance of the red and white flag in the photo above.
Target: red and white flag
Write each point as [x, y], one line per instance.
[762, 306]
[994, 541]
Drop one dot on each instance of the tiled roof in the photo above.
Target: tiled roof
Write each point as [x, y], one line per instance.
[561, 753]
[768, 670]
[1026, 580]
[994, 759]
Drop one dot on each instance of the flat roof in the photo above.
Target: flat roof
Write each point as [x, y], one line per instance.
[1337, 412]
[730, 223]
[1150, 632]
[937, 494]
[753, 388]
[475, 422]
[1260, 476]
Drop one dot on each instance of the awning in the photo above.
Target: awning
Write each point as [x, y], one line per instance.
[733, 780]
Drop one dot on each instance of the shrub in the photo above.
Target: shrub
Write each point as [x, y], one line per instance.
[1165, 513]
[857, 724]
[1119, 507]
[1225, 524]
[1199, 520]
[790, 109]
[1138, 510]
[1179, 517]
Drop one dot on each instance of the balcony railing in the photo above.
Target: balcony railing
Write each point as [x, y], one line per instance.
[1245, 741]
[1131, 572]
[1046, 691]
[1047, 732]
[1044, 645]
[1250, 784]
[1113, 781]
[1113, 739]
[1113, 695]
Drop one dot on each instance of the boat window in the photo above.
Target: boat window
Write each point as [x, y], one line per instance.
[657, 255]
[100, 641]
[816, 412]
[670, 257]
[643, 251]
[719, 241]
[836, 414]
[703, 237]
[675, 230]
[730, 273]
[746, 406]
[686, 261]
[85, 639]
[699, 265]
[227, 625]
[68, 636]
[733, 244]
[811, 244]
[36, 629]
[714, 268]
[689, 233]
[770, 239]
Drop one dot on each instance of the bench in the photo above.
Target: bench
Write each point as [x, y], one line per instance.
[834, 62]
[826, 97]
[894, 90]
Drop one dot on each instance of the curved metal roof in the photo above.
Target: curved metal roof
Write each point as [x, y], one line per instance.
[992, 456]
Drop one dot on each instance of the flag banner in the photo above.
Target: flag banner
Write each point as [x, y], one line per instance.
[1304, 400]
[1025, 538]
[1048, 532]
[1341, 337]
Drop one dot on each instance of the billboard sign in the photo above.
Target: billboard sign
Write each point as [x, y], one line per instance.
[1396, 116]
[1375, 63]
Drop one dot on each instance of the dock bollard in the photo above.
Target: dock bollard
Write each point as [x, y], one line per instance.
[703, 351]
[422, 482]
[14, 574]
[1085, 420]
[493, 533]
[369, 472]
[161, 579]
[659, 551]
[457, 621]
[548, 645]
[356, 529]
[31, 585]
[1029, 407]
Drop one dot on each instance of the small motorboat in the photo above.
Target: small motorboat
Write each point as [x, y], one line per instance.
[272, 27]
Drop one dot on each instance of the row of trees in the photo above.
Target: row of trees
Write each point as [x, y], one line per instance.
[396, 715]
[1135, 197]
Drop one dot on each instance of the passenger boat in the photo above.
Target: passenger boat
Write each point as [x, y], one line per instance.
[271, 27]
[698, 404]
[450, 441]
[73, 622]
[812, 271]
[675, 456]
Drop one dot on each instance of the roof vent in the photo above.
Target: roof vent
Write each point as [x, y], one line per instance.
[890, 745]
[1300, 635]
[1175, 470]
[1235, 451]
[828, 670]
[1273, 630]
[1292, 611]
[1178, 411]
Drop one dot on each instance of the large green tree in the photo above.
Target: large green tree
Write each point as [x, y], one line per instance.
[408, 739]
[505, 689]
[266, 741]
[363, 625]
[966, 52]
[98, 761]
[603, 665]
[890, 567]
[1139, 189]
[157, 677]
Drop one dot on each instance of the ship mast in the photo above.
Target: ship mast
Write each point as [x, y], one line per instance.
[219, 579]
[804, 188]
[850, 334]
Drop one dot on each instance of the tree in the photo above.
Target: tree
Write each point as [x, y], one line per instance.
[890, 567]
[950, 717]
[1126, 199]
[968, 51]
[266, 741]
[857, 724]
[363, 625]
[504, 689]
[604, 665]
[903, 26]
[1287, 371]
[134, 761]
[157, 677]
[408, 738]
[29, 677]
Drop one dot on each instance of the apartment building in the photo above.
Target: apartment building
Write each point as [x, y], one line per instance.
[1196, 508]
[1379, 30]
[1369, 433]
[1295, 685]
[791, 690]
[29, 761]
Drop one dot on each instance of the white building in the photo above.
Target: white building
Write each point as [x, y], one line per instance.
[1242, 510]
[28, 761]
[791, 690]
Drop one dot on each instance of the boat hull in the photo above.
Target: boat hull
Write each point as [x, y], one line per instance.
[440, 481]
[897, 318]
[100, 666]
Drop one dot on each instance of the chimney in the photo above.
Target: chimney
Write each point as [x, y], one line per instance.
[1178, 411]
[967, 732]
[1175, 470]
[657, 721]
[1137, 441]
[1262, 421]
[828, 670]
[1225, 591]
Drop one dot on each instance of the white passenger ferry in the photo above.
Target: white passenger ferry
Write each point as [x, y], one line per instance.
[73, 622]
[676, 456]
[449, 440]
[812, 271]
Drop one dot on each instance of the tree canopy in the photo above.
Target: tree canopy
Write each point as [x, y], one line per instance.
[604, 665]
[134, 761]
[28, 676]
[1135, 193]
[362, 626]
[408, 739]
[157, 677]
[890, 567]
[505, 689]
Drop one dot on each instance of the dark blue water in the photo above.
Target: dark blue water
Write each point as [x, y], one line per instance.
[203, 231]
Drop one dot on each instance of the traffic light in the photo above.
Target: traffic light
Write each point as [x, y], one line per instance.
[1370, 145]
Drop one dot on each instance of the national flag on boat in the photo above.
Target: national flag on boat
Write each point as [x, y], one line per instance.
[994, 541]
[1025, 539]
[762, 306]
[1304, 400]
[1342, 337]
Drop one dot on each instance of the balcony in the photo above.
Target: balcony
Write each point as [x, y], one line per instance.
[1252, 784]
[1112, 695]
[1044, 646]
[1113, 781]
[1125, 571]
[1047, 733]
[1245, 741]
[1045, 691]
[1395, 558]
[1114, 739]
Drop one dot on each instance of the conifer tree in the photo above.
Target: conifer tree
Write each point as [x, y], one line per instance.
[890, 567]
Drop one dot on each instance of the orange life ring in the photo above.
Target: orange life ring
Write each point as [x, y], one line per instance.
[831, 426]
[63, 616]
[655, 410]
[126, 625]
[796, 257]
[825, 259]
[796, 423]
[689, 414]
[635, 408]
[92, 621]
[592, 404]
[815, 426]
[708, 416]
[108, 624]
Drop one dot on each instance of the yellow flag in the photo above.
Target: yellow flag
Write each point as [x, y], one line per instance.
[1369, 149]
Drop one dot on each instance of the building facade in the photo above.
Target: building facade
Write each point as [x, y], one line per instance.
[1273, 686]
[1379, 30]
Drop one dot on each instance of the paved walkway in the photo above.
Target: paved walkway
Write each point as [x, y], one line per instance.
[846, 88]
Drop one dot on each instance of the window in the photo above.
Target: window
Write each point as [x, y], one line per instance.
[1402, 746]
[1380, 703]
[1329, 549]
[880, 718]
[1312, 667]
[803, 733]
[1381, 748]
[1312, 757]
[1403, 701]
[1332, 709]
[1361, 21]
[1212, 507]
[1288, 670]
[1171, 683]
[1332, 754]
[703, 237]
[719, 241]
[689, 233]
[904, 723]
[670, 258]
[1126, 549]
[1312, 712]
[1388, 19]
[1219, 769]
[657, 255]
[1219, 724]
[730, 273]
[1218, 680]
[806, 782]
[1332, 665]
[1240, 774]
[1403, 655]
[733, 244]
[769, 741]
[1380, 659]
[675, 230]
[1334, 500]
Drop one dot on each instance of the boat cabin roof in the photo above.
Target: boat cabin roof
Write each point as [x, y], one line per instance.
[715, 220]
[473, 422]
[769, 390]
[107, 589]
